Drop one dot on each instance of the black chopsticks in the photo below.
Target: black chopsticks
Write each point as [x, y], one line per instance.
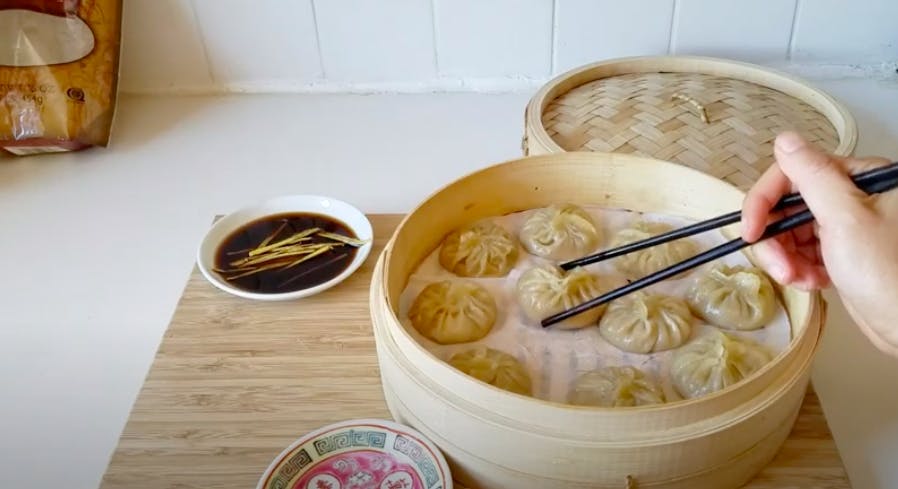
[866, 181]
[872, 182]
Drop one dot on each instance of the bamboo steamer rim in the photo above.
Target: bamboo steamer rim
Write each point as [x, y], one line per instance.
[769, 396]
[393, 397]
[716, 423]
[381, 280]
[537, 139]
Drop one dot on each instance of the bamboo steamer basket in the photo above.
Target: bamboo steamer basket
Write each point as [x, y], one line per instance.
[494, 439]
[715, 115]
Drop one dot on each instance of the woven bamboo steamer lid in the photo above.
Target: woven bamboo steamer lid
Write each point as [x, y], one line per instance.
[715, 115]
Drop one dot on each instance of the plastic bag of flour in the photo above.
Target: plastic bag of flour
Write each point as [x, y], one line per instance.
[58, 73]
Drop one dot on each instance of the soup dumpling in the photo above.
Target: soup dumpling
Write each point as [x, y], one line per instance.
[737, 297]
[715, 362]
[645, 322]
[494, 367]
[615, 387]
[559, 232]
[545, 290]
[650, 260]
[481, 249]
[449, 312]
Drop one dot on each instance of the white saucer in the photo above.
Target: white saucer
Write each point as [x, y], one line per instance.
[316, 204]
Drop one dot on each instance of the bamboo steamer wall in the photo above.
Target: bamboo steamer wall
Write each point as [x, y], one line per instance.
[715, 115]
[495, 439]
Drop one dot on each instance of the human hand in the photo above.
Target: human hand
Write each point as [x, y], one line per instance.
[853, 243]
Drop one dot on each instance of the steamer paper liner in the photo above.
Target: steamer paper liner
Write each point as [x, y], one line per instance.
[556, 357]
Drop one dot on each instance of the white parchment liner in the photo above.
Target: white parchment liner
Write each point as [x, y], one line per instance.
[555, 358]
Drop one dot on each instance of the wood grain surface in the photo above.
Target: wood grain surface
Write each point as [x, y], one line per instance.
[236, 381]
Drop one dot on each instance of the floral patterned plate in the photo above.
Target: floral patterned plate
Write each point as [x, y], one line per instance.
[359, 454]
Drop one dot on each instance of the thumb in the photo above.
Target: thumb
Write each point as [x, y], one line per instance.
[824, 184]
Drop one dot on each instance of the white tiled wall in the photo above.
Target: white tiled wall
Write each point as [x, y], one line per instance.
[722, 28]
[334, 45]
[162, 59]
[591, 30]
[848, 31]
[376, 40]
[261, 40]
[493, 38]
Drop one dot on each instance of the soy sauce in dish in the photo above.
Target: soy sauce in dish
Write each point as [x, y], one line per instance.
[291, 251]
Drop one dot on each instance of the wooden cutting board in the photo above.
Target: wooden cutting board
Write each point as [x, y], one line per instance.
[236, 381]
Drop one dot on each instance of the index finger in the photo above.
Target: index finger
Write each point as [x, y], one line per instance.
[761, 198]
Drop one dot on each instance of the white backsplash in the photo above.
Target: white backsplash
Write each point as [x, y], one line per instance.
[421, 45]
[493, 38]
[592, 30]
[759, 30]
[280, 34]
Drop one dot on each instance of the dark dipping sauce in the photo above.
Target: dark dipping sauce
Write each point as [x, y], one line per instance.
[309, 273]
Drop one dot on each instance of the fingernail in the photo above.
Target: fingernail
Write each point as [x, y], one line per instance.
[789, 142]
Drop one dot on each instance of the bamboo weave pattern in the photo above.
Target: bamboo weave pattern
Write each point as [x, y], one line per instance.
[646, 114]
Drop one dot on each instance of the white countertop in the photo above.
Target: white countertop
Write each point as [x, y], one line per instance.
[96, 247]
